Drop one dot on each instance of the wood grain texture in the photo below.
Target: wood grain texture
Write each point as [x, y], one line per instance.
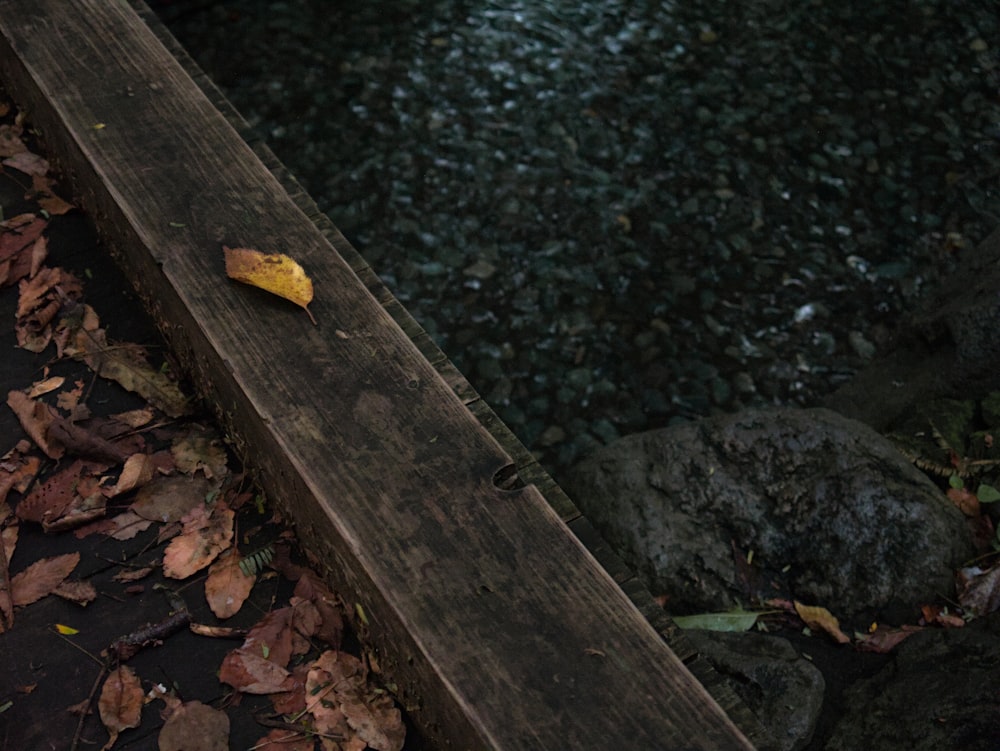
[497, 626]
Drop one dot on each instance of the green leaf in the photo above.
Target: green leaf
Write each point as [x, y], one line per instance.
[734, 620]
[987, 494]
[956, 482]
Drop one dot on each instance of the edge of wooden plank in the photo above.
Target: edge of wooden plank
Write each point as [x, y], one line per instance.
[527, 467]
[192, 357]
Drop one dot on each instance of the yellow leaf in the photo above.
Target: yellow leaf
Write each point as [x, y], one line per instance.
[273, 272]
[821, 619]
[66, 630]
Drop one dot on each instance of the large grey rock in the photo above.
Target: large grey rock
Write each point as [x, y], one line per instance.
[942, 691]
[825, 504]
[783, 689]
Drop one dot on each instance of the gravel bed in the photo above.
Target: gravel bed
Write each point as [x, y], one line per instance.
[616, 215]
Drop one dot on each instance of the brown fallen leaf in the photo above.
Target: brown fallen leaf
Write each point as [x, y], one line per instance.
[131, 575]
[168, 499]
[17, 472]
[80, 592]
[252, 673]
[821, 619]
[123, 526]
[50, 500]
[205, 535]
[41, 578]
[979, 590]
[10, 140]
[126, 365]
[271, 636]
[120, 704]
[19, 257]
[40, 388]
[285, 740]
[274, 272]
[41, 191]
[227, 586]
[292, 700]
[40, 300]
[28, 163]
[194, 725]
[884, 640]
[343, 702]
[200, 449]
[331, 628]
[55, 435]
[138, 471]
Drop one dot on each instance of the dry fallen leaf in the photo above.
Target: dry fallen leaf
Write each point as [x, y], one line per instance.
[194, 725]
[273, 272]
[822, 619]
[205, 535]
[80, 592]
[343, 702]
[120, 704]
[168, 499]
[41, 578]
[126, 365]
[227, 586]
[285, 740]
[979, 590]
[252, 673]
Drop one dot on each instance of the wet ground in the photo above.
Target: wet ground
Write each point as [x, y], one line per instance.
[616, 215]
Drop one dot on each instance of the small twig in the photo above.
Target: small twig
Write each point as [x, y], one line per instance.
[86, 710]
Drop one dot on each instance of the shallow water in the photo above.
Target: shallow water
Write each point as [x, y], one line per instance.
[615, 215]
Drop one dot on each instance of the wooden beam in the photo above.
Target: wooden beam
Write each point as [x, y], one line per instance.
[496, 626]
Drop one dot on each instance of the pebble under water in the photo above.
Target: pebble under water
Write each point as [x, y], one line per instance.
[616, 215]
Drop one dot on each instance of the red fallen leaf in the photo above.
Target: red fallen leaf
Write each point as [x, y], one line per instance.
[271, 636]
[227, 586]
[205, 535]
[884, 640]
[41, 577]
[819, 618]
[979, 591]
[312, 588]
[131, 575]
[292, 700]
[50, 500]
[252, 673]
[194, 725]
[24, 264]
[306, 621]
[120, 704]
[285, 740]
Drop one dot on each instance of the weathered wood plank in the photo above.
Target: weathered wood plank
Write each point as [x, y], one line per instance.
[497, 626]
